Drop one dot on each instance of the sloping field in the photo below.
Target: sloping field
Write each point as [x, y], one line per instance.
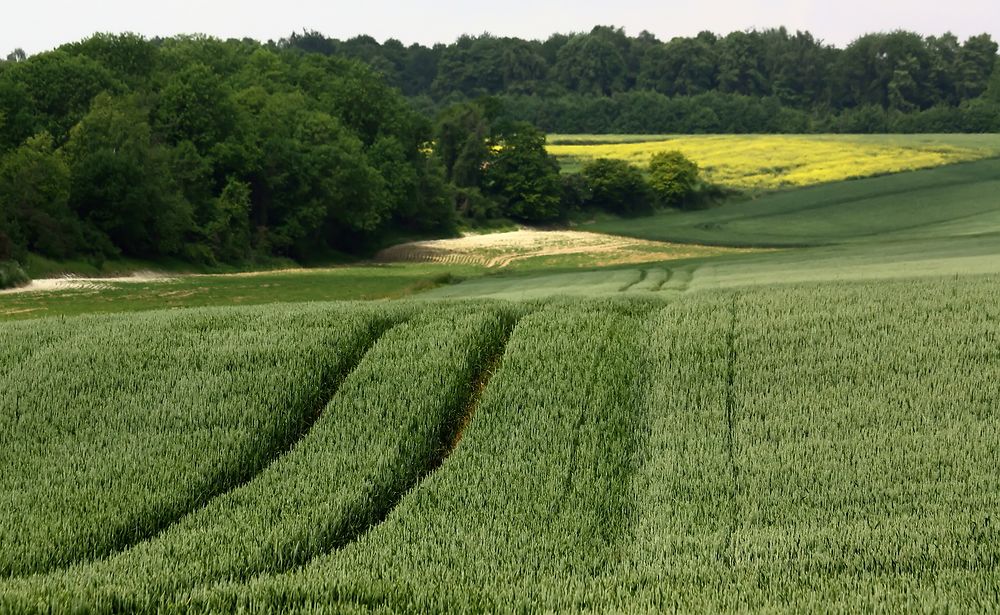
[855, 262]
[956, 201]
[111, 432]
[943, 221]
[807, 447]
[768, 162]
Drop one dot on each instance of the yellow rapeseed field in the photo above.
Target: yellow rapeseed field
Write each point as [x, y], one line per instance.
[766, 162]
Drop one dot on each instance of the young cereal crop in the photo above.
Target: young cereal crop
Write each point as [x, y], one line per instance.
[530, 505]
[113, 428]
[801, 448]
[390, 423]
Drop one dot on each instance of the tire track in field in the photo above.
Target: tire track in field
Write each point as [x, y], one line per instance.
[665, 280]
[479, 384]
[729, 548]
[642, 276]
[450, 438]
[331, 382]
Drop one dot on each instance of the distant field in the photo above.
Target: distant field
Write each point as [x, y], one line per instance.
[954, 201]
[902, 260]
[943, 221]
[769, 162]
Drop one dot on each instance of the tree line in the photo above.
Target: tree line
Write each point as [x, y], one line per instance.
[216, 152]
[236, 151]
[605, 81]
[208, 151]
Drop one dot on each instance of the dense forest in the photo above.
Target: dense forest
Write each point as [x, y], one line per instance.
[758, 81]
[233, 151]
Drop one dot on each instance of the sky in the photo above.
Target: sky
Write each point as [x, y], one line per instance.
[39, 25]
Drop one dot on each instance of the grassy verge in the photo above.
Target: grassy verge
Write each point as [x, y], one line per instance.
[40, 267]
[362, 282]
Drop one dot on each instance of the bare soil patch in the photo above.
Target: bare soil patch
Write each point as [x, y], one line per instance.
[504, 249]
[72, 282]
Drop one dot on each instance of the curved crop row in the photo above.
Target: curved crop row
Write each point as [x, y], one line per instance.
[389, 424]
[535, 500]
[109, 435]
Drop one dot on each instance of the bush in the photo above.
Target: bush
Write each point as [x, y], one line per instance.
[618, 187]
[673, 178]
[12, 275]
[574, 193]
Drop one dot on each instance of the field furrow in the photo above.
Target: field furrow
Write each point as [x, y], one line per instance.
[394, 419]
[674, 557]
[107, 438]
[493, 527]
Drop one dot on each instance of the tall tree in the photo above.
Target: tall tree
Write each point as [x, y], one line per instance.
[976, 62]
[591, 64]
[34, 191]
[121, 183]
[522, 174]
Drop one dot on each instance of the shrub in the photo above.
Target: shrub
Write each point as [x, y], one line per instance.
[617, 186]
[673, 178]
[12, 275]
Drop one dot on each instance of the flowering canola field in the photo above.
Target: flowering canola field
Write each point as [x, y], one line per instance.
[768, 162]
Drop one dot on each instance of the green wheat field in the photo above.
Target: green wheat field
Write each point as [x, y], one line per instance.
[809, 426]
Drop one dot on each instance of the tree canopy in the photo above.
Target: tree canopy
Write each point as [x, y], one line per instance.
[222, 151]
[207, 150]
[584, 82]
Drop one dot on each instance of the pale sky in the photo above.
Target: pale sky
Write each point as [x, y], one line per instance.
[38, 25]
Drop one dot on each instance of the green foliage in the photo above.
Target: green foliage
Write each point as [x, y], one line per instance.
[993, 88]
[772, 80]
[11, 273]
[129, 56]
[498, 169]
[591, 65]
[121, 183]
[523, 175]
[157, 134]
[229, 231]
[474, 205]
[461, 142]
[673, 178]
[50, 92]
[34, 200]
[617, 186]
[196, 106]
[574, 192]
